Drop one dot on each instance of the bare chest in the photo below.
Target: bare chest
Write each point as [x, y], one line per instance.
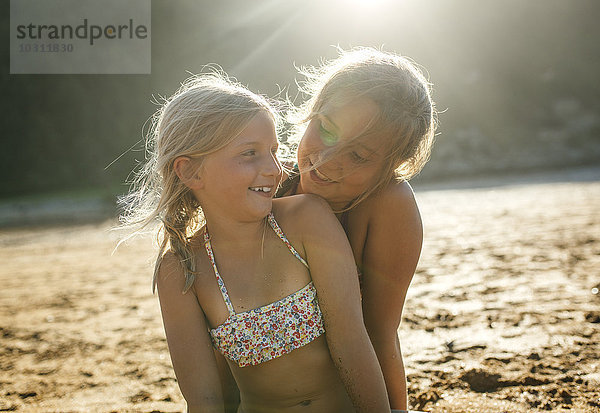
[248, 282]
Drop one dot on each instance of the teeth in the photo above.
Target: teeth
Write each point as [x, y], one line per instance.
[261, 189]
[320, 175]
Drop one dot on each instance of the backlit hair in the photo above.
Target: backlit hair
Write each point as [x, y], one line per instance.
[406, 117]
[204, 115]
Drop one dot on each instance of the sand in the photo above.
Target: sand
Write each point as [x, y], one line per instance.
[503, 314]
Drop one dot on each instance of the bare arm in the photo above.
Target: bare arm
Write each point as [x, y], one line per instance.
[189, 342]
[231, 392]
[334, 274]
[390, 257]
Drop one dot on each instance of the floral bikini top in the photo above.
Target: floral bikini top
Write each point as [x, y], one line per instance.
[270, 331]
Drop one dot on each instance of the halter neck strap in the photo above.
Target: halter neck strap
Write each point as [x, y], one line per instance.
[211, 256]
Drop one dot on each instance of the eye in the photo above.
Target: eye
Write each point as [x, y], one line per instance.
[250, 152]
[356, 158]
[327, 137]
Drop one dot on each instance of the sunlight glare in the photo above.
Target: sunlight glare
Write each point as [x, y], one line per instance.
[368, 3]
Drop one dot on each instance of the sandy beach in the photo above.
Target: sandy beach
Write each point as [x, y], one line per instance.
[503, 314]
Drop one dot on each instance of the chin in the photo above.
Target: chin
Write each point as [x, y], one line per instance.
[262, 212]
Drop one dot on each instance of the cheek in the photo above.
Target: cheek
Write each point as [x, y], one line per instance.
[363, 177]
[310, 142]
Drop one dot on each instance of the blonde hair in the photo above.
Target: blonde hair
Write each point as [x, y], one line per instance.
[204, 115]
[406, 113]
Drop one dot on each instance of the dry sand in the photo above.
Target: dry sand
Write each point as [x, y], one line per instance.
[503, 314]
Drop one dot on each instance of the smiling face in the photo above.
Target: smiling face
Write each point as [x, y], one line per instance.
[357, 159]
[241, 178]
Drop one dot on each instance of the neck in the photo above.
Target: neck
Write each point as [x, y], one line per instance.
[299, 189]
[235, 234]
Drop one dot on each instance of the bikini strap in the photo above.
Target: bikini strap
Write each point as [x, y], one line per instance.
[282, 236]
[211, 257]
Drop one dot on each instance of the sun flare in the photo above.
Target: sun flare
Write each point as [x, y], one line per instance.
[368, 3]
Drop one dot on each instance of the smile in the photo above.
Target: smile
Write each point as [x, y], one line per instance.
[319, 177]
[262, 189]
[322, 176]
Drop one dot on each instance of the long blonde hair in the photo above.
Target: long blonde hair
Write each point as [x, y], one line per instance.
[204, 115]
[406, 115]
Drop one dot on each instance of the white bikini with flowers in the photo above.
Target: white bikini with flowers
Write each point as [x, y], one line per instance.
[270, 331]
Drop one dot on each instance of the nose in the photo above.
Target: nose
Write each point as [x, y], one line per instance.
[321, 149]
[272, 166]
[314, 139]
[328, 159]
[329, 140]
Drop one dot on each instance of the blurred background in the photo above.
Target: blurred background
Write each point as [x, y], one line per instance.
[504, 309]
[516, 83]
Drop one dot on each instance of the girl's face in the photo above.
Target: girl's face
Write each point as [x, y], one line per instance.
[240, 179]
[353, 170]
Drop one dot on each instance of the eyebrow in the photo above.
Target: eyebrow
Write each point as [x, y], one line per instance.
[253, 143]
[248, 143]
[368, 148]
[339, 130]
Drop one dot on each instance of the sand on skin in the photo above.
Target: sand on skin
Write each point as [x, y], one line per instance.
[501, 315]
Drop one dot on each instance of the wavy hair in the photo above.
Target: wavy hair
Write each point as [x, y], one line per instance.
[406, 112]
[204, 115]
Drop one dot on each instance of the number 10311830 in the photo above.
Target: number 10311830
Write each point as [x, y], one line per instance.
[46, 48]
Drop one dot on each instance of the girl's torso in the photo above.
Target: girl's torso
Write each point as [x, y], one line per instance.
[304, 379]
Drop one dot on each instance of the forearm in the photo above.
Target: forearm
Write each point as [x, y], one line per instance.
[205, 408]
[198, 381]
[231, 393]
[392, 366]
[361, 375]
[201, 398]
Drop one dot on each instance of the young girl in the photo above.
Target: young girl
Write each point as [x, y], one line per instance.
[270, 284]
[367, 129]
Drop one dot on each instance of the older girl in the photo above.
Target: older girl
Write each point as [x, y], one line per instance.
[366, 130]
[270, 284]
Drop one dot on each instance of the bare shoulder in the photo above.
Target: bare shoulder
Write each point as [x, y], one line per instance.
[390, 217]
[396, 201]
[302, 208]
[305, 218]
[170, 274]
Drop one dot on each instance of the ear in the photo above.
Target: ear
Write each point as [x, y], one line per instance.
[187, 172]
